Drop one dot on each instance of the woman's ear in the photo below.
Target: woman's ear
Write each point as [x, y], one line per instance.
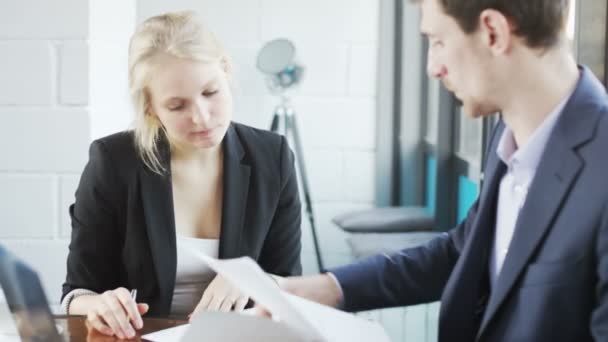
[148, 104]
[227, 67]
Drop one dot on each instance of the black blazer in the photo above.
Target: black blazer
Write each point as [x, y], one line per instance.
[123, 226]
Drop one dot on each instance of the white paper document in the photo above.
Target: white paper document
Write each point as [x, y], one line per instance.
[311, 321]
[168, 335]
[234, 327]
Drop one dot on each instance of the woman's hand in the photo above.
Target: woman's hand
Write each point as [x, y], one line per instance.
[220, 295]
[112, 313]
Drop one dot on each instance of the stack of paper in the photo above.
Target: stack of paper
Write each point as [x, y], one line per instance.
[312, 321]
[294, 318]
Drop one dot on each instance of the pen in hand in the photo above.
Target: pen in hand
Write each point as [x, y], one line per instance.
[134, 297]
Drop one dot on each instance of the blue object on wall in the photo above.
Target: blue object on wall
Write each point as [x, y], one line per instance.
[431, 184]
[467, 194]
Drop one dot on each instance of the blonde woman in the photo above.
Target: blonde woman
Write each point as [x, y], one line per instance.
[185, 180]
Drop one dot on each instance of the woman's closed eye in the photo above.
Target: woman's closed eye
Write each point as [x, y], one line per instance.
[210, 93]
[176, 108]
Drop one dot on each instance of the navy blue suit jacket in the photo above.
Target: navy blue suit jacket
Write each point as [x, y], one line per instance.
[554, 282]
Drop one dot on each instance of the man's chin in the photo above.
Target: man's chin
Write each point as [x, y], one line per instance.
[476, 111]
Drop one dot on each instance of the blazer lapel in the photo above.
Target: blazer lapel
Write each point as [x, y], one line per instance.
[556, 173]
[461, 299]
[157, 199]
[236, 190]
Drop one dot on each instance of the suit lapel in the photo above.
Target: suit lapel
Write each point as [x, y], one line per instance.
[557, 171]
[465, 287]
[236, 189]
[157, 199]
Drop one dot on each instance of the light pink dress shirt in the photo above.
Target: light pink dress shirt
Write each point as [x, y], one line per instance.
[522, 163]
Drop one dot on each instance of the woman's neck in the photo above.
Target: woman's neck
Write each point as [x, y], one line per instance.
[196, 156]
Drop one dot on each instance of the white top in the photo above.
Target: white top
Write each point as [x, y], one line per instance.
[522, 163]
[192, 275]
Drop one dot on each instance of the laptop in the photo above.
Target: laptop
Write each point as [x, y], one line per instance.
[26, 300]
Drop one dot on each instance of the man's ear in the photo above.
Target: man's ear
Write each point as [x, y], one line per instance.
[496, 30]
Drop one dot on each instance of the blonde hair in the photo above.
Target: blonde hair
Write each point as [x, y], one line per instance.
[177, 34]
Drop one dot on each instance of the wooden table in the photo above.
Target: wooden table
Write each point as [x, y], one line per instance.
[76, 328]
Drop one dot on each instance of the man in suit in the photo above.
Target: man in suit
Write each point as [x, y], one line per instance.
[530, 261]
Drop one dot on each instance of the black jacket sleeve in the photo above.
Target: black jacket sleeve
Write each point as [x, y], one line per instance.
[281, 251]
[94, 255]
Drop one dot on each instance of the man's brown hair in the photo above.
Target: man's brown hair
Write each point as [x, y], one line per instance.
[538, 21]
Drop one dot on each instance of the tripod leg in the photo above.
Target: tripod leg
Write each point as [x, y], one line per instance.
[274, 126]
[291, 125]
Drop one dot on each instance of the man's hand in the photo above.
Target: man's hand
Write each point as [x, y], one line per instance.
[322, 288]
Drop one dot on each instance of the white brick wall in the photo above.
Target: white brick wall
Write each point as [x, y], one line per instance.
[111, 24]
[45, 131]
[234, 21]
[73, 73]
[43, 140]
[28, 206]
[31, 85]
[39, 19]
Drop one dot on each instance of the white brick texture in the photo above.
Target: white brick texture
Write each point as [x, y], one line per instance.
[27, 206]
[74, 73]
[362, 70]
[335, 122]
[359, 176]
[43, 140]
[325, 172]
[45, 132]
[27, 70]
[41, 19]
[233, 21]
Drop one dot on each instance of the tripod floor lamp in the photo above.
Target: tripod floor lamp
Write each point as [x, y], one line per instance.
[276, 61]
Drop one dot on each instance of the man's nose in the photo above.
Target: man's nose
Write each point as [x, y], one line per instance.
[433, 67]
[435, 70]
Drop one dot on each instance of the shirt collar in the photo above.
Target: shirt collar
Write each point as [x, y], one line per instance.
[524, 160]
